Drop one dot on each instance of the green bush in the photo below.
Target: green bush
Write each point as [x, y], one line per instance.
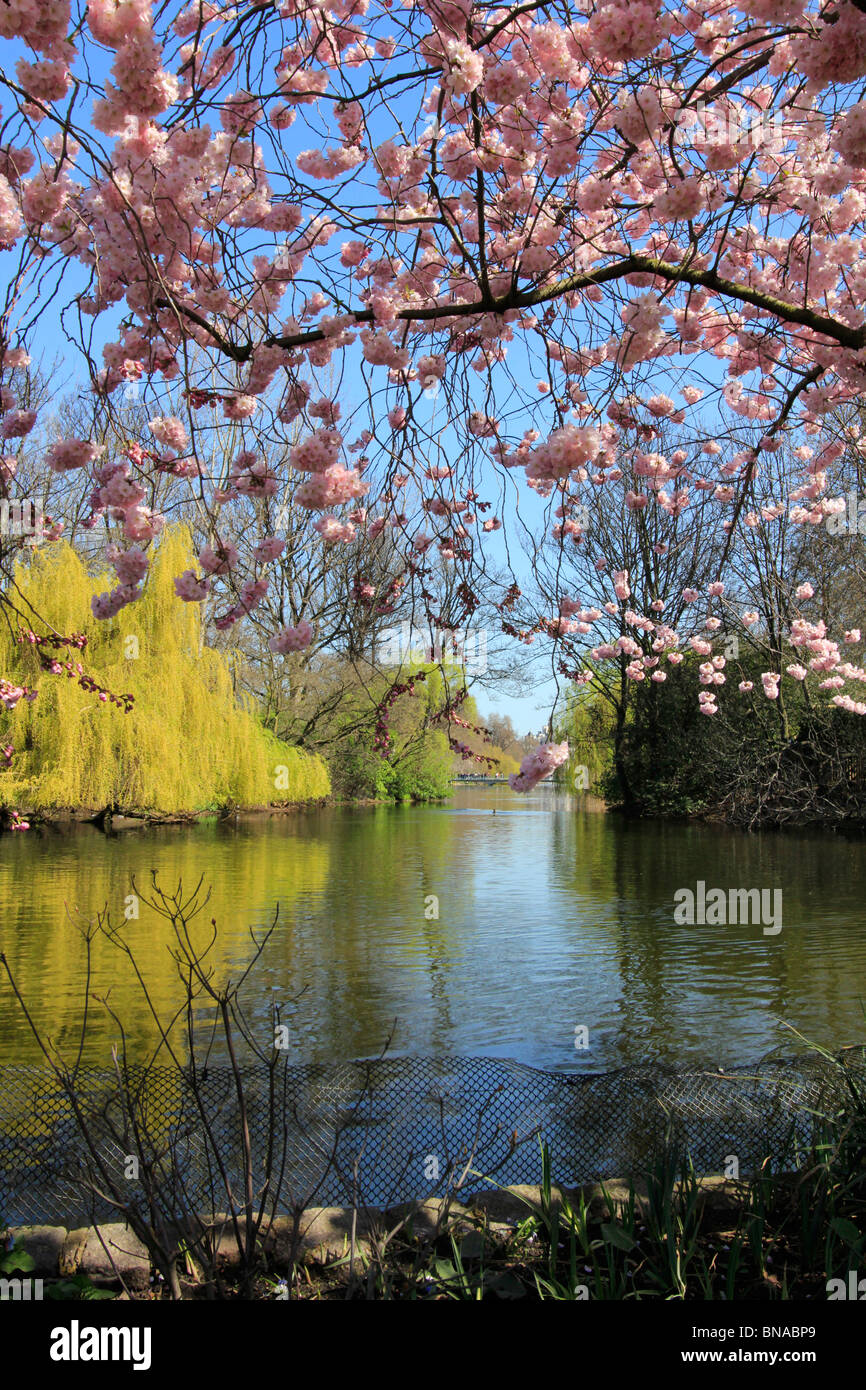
[755, 762]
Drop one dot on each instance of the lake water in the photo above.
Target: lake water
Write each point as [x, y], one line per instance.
[550, 918]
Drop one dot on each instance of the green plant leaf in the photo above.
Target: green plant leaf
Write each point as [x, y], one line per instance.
[79, 1286]
[846, 1231]
[505, 1284]
[17, 1259]
[615, 1235]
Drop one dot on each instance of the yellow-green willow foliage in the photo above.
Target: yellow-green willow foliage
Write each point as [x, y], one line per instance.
[187, 744]
[589, 727]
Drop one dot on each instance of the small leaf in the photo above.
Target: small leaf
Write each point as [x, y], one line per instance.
[846, 1231]
[615, 1235]
[472, 1246]
[17, 1259]
[77, 1287]
[505, 1285]
[64, 1290]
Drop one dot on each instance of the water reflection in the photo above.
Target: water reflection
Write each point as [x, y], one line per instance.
[450, 929]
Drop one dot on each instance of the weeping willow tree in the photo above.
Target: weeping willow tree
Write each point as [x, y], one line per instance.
[188, 743]
[589, 727]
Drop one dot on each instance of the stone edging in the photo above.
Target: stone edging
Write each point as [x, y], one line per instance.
[112, 1252]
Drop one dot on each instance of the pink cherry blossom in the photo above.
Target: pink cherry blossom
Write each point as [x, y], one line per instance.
[18, 423]
[218, 558]
[130, 565]
[292, 639]
[333, 531]
[770, 682]
[190, 588]
[537, 765]
[239, 407]
[269, 548]
[68, 454]
[170, 432]
[621, 584]
[108, 605]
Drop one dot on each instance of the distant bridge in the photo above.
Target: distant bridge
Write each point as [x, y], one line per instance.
[469, 780]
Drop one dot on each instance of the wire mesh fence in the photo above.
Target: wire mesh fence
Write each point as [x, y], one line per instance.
[390, 1130]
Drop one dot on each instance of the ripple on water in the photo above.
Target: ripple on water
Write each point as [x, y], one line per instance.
[477, 934]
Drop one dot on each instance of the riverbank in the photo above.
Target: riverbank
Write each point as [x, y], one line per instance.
[125, 819]
[110, 1255]
[109, 820]
[853, 827]
[661, 1236]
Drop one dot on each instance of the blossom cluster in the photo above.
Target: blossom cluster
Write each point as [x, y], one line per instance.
[537, 765]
